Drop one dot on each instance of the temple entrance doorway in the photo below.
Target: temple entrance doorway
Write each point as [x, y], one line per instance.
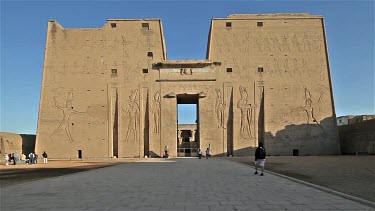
[187, 125]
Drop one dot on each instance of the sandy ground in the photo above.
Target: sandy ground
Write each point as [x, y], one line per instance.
[353, 175]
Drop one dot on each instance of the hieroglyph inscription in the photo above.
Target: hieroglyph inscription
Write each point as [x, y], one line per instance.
[67, 110]
[132, 115]
[156, 112]
[219, 108]
[246, 114]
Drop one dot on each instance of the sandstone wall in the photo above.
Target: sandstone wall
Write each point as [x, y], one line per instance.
[282, 62]
[110, 92]
[358, 137]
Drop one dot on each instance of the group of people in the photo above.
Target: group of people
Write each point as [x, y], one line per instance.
[15, 158]
[208, 154]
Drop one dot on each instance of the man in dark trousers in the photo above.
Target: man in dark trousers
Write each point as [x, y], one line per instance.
[45, 157]
[260, 158]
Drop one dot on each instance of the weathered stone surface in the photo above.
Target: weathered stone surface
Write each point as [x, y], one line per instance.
[111, 91]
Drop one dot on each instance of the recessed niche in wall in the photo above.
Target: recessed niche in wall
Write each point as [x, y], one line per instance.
[150, 54]
[260, 70]
[113, 25]
[145, 70]
[259, 23]
[228, 24]
[145, 26]
[229, 70]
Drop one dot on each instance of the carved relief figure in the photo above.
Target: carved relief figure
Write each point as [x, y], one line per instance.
[295, 67]
[286, 67]
[246, 114]
[318, 44]
[67, 110]
[309, 108]
[306, 43]
[286, 44]
[156, 112]
[276, 43]
[258, 43]
[276, 65]
[296, 44]
[125, 44]
[132, 114]
[267, 44]
[219, 108]
[305, 67]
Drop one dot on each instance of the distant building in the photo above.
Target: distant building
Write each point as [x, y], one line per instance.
[352, 119]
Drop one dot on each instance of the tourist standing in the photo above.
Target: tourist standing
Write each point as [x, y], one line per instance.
[199, 153]
[6, 159]
[45, 156]
[260, 158]
[31, 158]
[16, 158]
[208, 153]
[23, 159]
[35, 158]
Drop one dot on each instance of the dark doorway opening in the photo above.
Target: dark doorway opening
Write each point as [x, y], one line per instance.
[295, 152]
[79, 154]
[187, 125]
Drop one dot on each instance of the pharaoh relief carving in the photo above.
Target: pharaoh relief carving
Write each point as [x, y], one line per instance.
[115, 43]
[306, 43]
[132, 113]
[318, 44]
[258, 44]
[246, 114]
[51, 70]
[266, 44]
[125, 46]
[305, 67]
[156, 112]
[276, 44]
[285, 44]
[67, 111]
[296, 44]
[219, 109]
[310, 107]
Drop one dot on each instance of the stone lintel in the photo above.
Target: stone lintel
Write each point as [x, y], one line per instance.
[185, 64]
[183, 80]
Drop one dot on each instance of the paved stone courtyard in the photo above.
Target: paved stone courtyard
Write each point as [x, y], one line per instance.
[171, 184]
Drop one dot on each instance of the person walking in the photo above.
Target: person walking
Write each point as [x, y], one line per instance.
[260, 159]
[45, 156]
[6, 159]
[199, 153]
[166, 152]
[207, 153]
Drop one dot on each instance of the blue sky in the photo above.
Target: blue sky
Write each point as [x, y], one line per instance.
[349, 27]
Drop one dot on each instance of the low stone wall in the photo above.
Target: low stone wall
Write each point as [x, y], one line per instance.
[21, 143]
[358, 138]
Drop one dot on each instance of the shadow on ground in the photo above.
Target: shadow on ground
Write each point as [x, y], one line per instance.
[10, 177]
